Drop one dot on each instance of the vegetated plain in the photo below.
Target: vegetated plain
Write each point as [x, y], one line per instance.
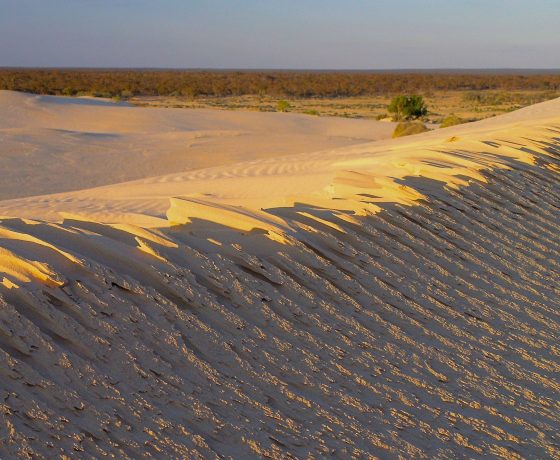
[468, 105]
[470, 96]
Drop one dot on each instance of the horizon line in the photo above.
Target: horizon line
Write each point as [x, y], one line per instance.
[295, 69]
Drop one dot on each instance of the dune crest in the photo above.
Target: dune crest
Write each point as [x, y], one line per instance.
[392, 299]
[356, 180]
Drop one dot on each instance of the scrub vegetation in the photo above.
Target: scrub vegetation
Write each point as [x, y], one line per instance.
[451, 120]
[470, 96]
[408, 128]
[407, 107]
[128, 83]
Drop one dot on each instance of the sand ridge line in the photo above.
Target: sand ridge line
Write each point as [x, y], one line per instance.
[399, 302]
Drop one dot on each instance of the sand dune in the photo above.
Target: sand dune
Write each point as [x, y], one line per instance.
[393, 299]
[54, 144]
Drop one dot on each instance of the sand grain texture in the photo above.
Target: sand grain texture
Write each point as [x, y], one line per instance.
[53, 144]
[395, 299]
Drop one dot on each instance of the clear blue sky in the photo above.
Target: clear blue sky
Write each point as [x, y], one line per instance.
[357, 34]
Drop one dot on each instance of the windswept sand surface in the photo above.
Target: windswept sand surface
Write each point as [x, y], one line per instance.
[394, 299]
[54, 144]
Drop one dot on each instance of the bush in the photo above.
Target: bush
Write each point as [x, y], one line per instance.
[407, 107]
[69, 92]
[283, 106]
[451, 120]
[408, 128]
[126, 94]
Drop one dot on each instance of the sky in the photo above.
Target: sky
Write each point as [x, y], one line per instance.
[285, 34]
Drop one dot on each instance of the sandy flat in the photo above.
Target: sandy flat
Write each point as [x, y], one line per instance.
[315, 290]
[54, 144]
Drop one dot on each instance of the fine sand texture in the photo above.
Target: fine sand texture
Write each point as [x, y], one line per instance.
[387, 299]
[54, 144]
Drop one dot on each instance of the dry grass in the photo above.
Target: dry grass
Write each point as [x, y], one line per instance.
[470, 96]
[464, 104]
[408, 128]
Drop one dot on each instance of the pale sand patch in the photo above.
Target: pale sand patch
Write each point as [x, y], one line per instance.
[55, 144]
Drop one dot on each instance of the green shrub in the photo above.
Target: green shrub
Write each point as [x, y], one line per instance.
[69, 91]
[312, 112]
[451, 120]
[282, 106]
[407, 107]
[407, 128]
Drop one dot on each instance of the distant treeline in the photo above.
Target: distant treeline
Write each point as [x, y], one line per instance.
[128, 83]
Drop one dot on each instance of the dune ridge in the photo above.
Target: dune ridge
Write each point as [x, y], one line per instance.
[357, 178]
[392, 299]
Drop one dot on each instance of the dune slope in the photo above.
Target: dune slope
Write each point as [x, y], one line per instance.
[56, 144]
[393, 300]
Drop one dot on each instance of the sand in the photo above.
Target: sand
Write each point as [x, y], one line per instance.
[391, 299]
[71, 144]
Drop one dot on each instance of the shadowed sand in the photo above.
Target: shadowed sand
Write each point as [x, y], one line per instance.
[393, 299]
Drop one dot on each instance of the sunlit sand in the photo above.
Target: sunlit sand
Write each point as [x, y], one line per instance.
[227, 284]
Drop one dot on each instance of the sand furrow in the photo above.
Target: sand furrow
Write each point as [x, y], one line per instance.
[403, 303]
